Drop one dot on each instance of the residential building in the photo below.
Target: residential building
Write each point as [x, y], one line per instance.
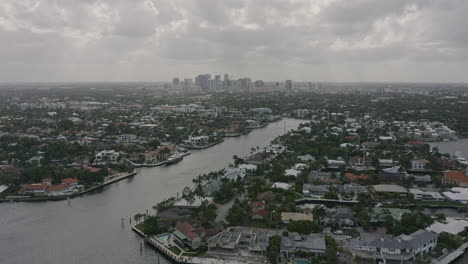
[314, 190]
[190, 235]
[60, 189]
[259, 210]
[106, 156]
[342, 216]
[419, 164]
[403, 247]
[455, 178]
[312, 244]
[457, 194]
[70, 181]
[354, 177]
[426, 196]
[239, 240]
[126, 138]
[36, 188]
[198, 142]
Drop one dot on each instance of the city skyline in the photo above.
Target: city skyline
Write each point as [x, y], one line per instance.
[333, 40]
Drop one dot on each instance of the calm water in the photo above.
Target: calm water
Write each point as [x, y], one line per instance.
[89, 230]
[451, 147]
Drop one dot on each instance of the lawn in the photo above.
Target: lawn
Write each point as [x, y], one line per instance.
[175, 250]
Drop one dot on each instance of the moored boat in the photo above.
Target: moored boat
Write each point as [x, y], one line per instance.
[174, 159]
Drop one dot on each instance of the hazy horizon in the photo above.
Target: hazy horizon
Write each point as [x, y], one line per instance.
[399, 41]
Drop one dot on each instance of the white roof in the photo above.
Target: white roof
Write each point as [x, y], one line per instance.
[453, 226]
[3, 188]
[281, 185]
[433, 194]
[457, 194]
[300, 166]
[292, 172]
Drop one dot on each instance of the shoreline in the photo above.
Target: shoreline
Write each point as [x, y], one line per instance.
[64, 197]
[143, 165]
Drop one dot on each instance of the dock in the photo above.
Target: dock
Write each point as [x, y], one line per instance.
[452, 256]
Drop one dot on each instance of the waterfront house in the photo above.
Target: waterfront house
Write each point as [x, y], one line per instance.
[106, 156]
[198, 142]
[237, 240]
[60, 189]
[36, 188]
[186, 236]
[47, 181]
[260, 158]
[70, 181]
[457, 178]
[403, 247]
[189, 235]
[457, 194]
[293, 243]
[248, 169]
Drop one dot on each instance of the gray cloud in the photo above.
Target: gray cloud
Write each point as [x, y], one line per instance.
[141, 40]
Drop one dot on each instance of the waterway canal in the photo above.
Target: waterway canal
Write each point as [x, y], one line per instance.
[451, 147]
[89, 230]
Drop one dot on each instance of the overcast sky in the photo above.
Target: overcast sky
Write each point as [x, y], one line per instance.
[156, 40]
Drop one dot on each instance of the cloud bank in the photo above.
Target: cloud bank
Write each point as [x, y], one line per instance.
[154, 40]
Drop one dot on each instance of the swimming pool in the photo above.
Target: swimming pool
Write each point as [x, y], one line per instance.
[164, 237]
[301, 262]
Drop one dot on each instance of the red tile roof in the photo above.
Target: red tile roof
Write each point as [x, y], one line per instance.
[260, 209]
[268, 195]
[58, 187]
[69, 180]
[36, 186]
[353, 176]
[456, 175]
[187, 229]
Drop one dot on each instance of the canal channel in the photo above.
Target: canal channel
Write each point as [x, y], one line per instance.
[90, 230]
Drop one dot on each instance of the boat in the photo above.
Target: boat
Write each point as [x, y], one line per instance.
[459, 157]
[174, 159]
